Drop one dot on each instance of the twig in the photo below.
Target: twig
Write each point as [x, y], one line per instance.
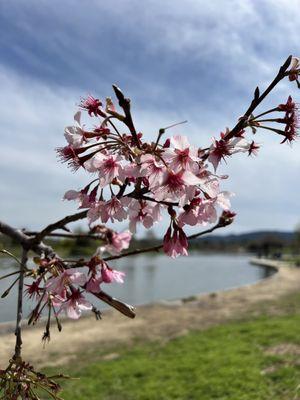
[8, 275]
[259, 98]
[60, 224]
[4, 251]
[125, 104]
[69, 235]
[160, 246]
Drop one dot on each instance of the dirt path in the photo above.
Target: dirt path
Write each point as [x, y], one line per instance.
[157, 321]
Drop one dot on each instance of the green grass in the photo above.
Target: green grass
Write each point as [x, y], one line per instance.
[225, 362]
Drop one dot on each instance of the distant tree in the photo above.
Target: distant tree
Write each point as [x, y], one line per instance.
[297, 237]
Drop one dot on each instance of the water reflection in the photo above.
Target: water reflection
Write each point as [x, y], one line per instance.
[153, 278]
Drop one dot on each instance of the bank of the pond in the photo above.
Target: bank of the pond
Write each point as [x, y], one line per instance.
[151, 279]
[162, 320]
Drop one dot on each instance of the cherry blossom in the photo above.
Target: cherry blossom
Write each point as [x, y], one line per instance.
[177, 187]
[183, 156]
[75, 134]
[294, 69]
[74, 305]
[58, 285]
[175, 242]
[110, 275]
[153, 169]
[118, 242]
[92, 105]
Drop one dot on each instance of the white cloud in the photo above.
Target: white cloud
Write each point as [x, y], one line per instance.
[245, 41]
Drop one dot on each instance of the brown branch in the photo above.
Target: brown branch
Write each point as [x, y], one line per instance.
[259, 98]
[13, 233]
[160, 246]
[18, 331]
[24, 240]
[124, 103]
[69, 235]
[29, 243]
[60, 224]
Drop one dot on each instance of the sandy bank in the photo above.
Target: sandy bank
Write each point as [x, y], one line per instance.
[156, 321]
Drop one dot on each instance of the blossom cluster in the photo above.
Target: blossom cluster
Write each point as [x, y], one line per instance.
[138, 180]
[62, 289]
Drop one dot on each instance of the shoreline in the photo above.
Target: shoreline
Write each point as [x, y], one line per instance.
[9, 326]
[157, 321]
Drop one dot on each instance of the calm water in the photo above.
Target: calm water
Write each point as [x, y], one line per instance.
[154, 278]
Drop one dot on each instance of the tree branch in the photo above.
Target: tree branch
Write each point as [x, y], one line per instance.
[13, 233]
[160, 246]
[24, 240]
[18, 331]
[259, 98]
[69, 235]
[60, 224]
[124, 103]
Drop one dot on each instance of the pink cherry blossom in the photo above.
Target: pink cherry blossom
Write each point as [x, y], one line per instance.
[129, 172]
[291, 119]
[175, 244]
[92, 106]
[93, 284]
[82, 197]
[223, 200]
[220, 149]
[253, 148]
[110, 275]
[115, 209]
[57, 285]
[118, 242]
[226, 218]
[294, 68]
[34, 290]
[105, 210]
[190, 215]
[75, 134]
[289, 106]
[177, 186]
[153, 169]
[141, 212]
[209, 183]
[108, 167]
[207, 213]
[70, 155]
[183, 156]
[75, 304]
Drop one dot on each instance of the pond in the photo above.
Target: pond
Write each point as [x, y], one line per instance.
[157, 277]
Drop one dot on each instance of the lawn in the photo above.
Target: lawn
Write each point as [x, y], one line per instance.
[255, 359]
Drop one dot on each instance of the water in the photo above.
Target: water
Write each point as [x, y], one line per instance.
[157, 277]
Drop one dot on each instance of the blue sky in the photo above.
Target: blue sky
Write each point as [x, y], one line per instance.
[176, 60]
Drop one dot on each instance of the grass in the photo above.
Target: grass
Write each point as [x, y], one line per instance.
[224, 362]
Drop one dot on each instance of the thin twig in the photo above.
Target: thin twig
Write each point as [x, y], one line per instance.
[160, 246]
[125, 105]
[69, 235]
[259, 98]
[60, 224]
[8, 275]
[8, 253]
